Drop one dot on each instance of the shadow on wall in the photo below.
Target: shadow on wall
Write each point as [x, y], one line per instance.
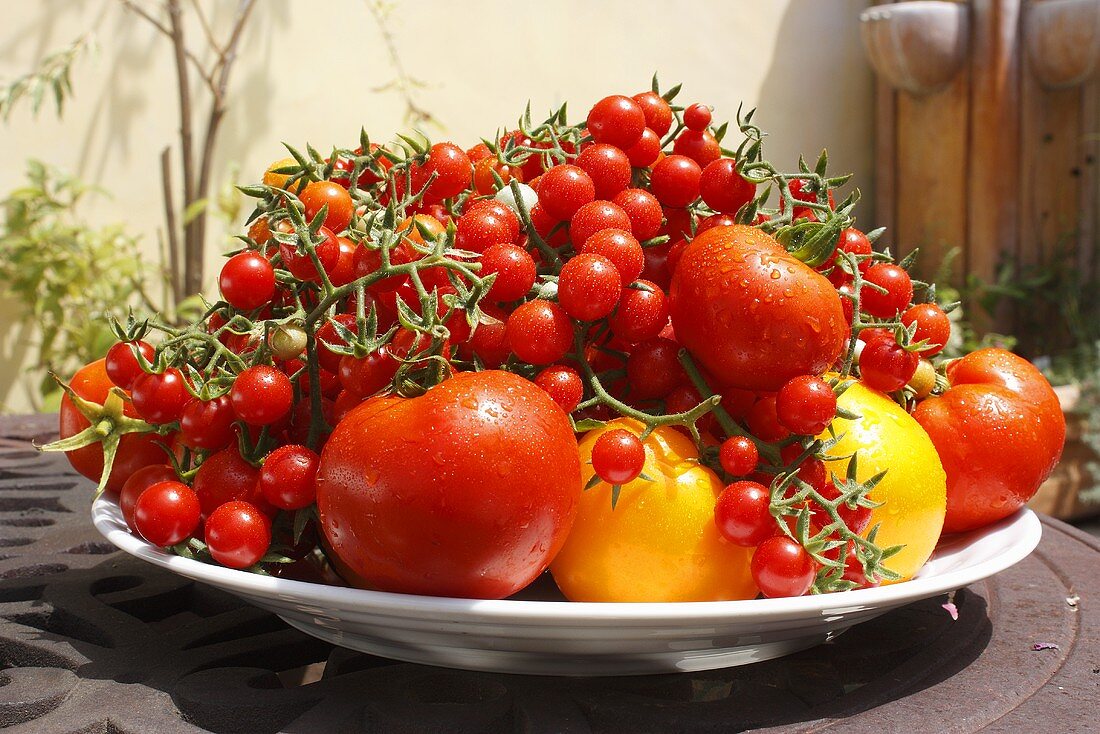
[842, 119]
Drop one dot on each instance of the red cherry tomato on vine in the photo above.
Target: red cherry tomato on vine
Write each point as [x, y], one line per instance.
[607, 166]
[565, 189]
[644, 212]
[641, 314]
[806, 405]
[933, 326]
[899, 290]
[300, 264]
[653, 369]
[646, 151]
[886, 366]
[166, 513]
[287, 477]
[722, 187]
[563, 384]
[238, 534]
[328, 193]
[226, 476]
[621, 248]
[589, 286]
[697, 117]
[616, 120]
[515, 270]
[539, 332]
[700, 146]
[675, 180]
[657, 112]
[137, 483]
[208, 424]
[247, 281]
[159, 397]
[122, 363]
[781, 568]
[594, 217]
[738, 455]
[743, 514]
[261, 395]
[618, 456]
[486, 225]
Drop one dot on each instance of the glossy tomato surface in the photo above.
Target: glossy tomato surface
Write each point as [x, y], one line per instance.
[135, 450]
[466, 491]
[752, 314]
[999, 431]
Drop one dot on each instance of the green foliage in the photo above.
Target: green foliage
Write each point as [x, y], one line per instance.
[964, 337]
[66, 275]
[52, 76]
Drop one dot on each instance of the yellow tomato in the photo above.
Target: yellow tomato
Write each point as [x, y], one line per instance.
[278, 180]
[660, 542]
[914, 491]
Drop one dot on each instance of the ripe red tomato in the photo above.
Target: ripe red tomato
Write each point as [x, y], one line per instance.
[208, 424]
[166, 513]
[563, 384]
[300, 264]
[589, 286]
[751, 313]
[238, 534]
[806, 405]
[454, 173]
[621, 248]
[287, 477]
[642, 313]
[225, 476]
[738, 455]
[595, 216]
[539, 332]
[468, 490]
[722, 187]
[646, 151]
[122, 363]
[135, 450]
[485, 226]
[999, 431]
[675, 180]
[618, 456]
[616, 120]
[697, 117]
[137, 483]
[899, 291]
[933, 326]
[607, 166]
[781, 567]
[700, 146]
[653, 369]
[657, 112]
[644, 211]
[159, 397]
[261, 395]
[885, 366]
[565, 189]
[743, 513]
[247, 280]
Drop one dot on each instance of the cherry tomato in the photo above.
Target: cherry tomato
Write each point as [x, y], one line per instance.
[715, 220]
[159, 397]
[166, 513]
[616, 120]
[261, 395]
[700, 146]
[653, 369]
[489, 341]
[595, 216]
[563, 384]
[327, 336]
[565, 189]
[782, 567]
[485, 226]
[515, 270]
[854, 242]
[657, 112]
[743, 514]
[697, 117]
[208, 424]
[999, 431]
[722, 187]
[618, 456]
[122, 363]
[885, 366]
[287, 477]
[238, 534]
[362, 377]
[675, 180]
[644, 212]
[763, 421]
[738, 456]
[641, 314]
[300, 264]
[328, 193]
[452, 168]
[899, 290]
[646, 151]
[485, 527]
[589, 286]
[484, 181]
[750, 312]
[933, 326]
[806, 405]
[137, 483]
[607, 166]
[539, 332]
[226, 476]
[621, 248]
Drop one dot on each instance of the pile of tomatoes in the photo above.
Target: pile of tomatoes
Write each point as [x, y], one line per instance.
[618, 350]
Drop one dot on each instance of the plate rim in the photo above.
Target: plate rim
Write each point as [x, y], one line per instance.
[107, 519]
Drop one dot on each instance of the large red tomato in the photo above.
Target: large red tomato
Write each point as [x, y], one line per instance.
[468, 490]
[751, 313]
[135, 450]
[999, 431]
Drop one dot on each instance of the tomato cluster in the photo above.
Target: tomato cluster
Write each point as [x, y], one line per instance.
[627, 266]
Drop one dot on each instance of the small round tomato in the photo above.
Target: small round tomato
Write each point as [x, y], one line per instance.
[763, 421]
[563, 384]
[300, 264]
[594, 217]
[806, 405]
[886, 366]
[514, 268]
[226, 476]
[238, 534]
[486, 225]
[782, 567]
[743, 514]
[122, 364]
[642, 312]
[607, 166]
[646, 151]
[320, 194]
[653, 369]
[616, 120]
[644, 212]
[362, 377]
[700, 146]
[247, 281]
[898, 286]
[137, 483]
[621, 248]
[327, 336]
[453, 171]
[697, 117]
[589, 286]
[738, 456]
[539, 332]
[933, 326]
[565, 189]
[618, 456]
[287, 477]
[485, 182]
[208, 424]
[166, 513]
[675, 180]
[261, 395]
[489, 341]
[722, 187]
[159, 397]
[657, 112]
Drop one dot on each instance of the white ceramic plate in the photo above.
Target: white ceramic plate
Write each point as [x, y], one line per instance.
[557, 637]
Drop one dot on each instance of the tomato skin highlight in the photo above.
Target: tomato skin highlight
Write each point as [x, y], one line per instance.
[999, 431]
[466, 491]
[753, 315]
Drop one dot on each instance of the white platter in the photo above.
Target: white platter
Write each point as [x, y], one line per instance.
[555, 637]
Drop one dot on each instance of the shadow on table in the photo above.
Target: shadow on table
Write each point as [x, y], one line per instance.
[125, 643]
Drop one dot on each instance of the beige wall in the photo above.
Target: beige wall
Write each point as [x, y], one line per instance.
[308, 72]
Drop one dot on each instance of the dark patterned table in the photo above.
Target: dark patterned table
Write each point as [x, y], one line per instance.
[92, 640]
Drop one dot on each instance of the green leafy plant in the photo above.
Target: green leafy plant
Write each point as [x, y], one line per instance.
[56, 266]
[53, 76]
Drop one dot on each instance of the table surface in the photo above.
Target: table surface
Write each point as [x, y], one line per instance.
[93, 640]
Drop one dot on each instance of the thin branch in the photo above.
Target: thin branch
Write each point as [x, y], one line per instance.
[170, 223]
[207, 31]
[191, 246]
[217, 112]
[144, 14]
[402, 82]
